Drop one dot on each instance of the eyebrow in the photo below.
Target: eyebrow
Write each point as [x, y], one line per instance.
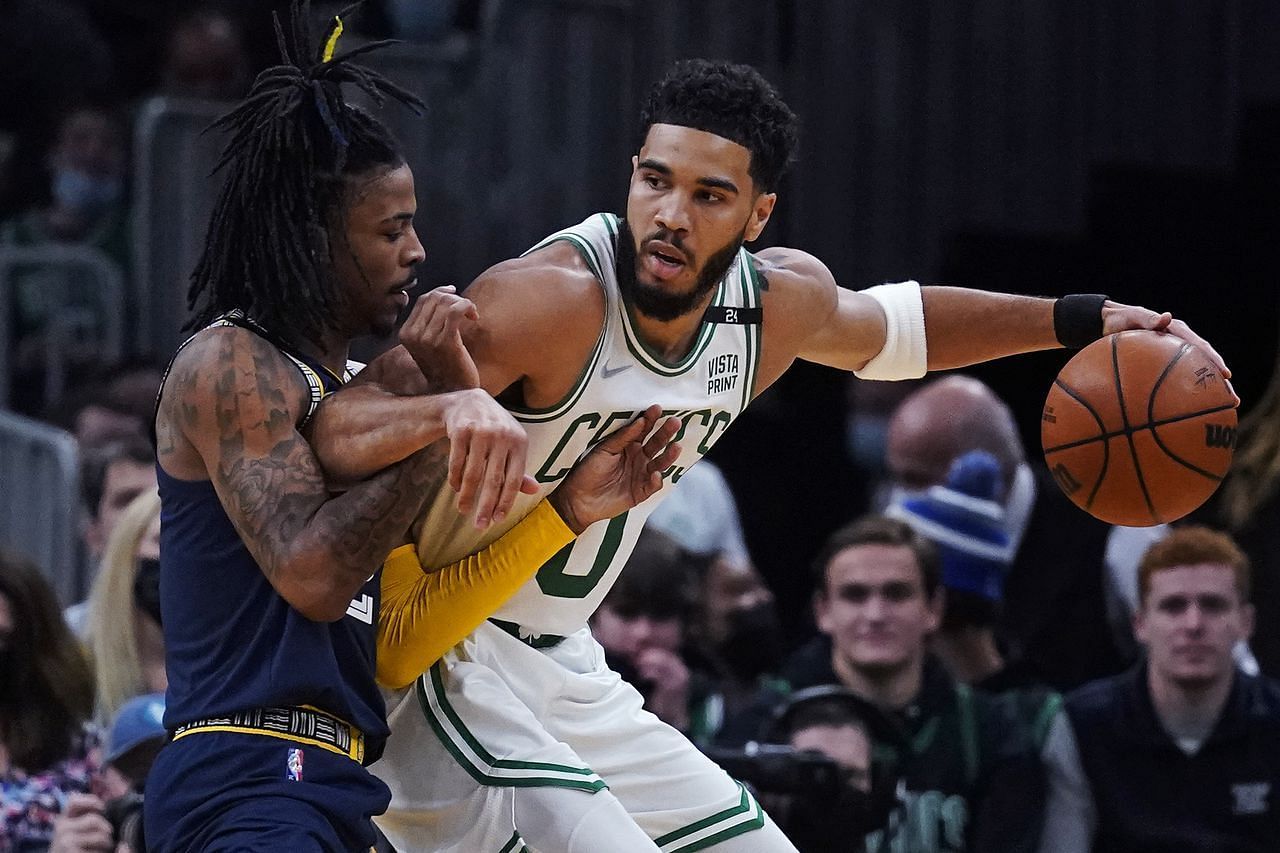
[709, 181]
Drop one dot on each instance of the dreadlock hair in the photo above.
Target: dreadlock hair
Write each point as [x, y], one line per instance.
[295, 144]
[732, 101]
[1255, 474]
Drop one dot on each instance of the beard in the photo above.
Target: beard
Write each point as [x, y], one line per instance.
[651, 300]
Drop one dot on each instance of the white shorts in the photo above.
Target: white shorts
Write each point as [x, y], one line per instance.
[496, 714]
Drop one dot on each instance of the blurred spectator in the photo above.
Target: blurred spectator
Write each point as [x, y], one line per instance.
[88, 207]
[1182, 753]
[111, 819]
[108, 403]
[205, 57]
[46, 696]
[51, 57]
[111, 477]
[840, 725]
[123, 630]
[1055, 611]
[964, 519]
[738, 637]
[701, 514]
[642, 624]
[969, 768]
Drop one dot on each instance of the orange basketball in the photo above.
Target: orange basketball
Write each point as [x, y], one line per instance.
[1139, 428]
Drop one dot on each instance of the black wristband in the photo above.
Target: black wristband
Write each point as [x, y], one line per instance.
[1077, 319]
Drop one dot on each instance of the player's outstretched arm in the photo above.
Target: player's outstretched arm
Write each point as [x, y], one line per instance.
[423, 615]
[903, 330]
[234, 399]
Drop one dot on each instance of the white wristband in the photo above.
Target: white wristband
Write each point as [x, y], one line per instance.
[905, 354]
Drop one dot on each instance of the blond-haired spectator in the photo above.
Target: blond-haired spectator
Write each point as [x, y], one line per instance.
[123, 634]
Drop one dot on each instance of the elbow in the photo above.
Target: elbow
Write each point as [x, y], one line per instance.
[313, 589]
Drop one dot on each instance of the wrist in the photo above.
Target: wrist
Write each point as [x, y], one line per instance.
[1077, 319]
[563, 505]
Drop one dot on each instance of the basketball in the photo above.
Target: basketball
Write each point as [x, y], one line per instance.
[1139, 428]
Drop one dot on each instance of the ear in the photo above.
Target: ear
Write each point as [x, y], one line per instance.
[1140, 624]
[935, 608]
[822, 613]
[635, 161]
[760, 213]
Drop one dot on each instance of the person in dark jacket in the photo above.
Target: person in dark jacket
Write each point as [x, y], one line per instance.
[968, 766]
[1182, 753]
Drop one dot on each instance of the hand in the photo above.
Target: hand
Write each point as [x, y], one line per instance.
[487, 450]
[669, 676]
[433, 336]
[619, 472]
[1117, 317]
[81, 827]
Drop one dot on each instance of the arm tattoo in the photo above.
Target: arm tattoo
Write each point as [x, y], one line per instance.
[271, 484]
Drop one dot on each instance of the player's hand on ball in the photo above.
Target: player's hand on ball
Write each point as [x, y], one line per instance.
[1117, 317]
[433, 336]
[619, 472]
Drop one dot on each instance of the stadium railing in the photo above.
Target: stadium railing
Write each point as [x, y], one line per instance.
[64, 270]
[40, 501]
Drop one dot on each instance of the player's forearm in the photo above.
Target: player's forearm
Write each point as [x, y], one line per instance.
[349, 536]
[361, 430]
[424, 615]
[965, 326]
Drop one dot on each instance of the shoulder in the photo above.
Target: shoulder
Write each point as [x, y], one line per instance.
[1263, 695]
[552, 279]
[549, 296]
[795, 278]
[229, 367]
[1098, 697]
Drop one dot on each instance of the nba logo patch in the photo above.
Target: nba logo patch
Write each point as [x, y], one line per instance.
[293, 766]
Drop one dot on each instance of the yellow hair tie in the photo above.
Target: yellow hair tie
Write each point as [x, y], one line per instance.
[332, 43]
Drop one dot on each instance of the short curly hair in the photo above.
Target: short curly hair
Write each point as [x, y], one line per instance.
[732, 101]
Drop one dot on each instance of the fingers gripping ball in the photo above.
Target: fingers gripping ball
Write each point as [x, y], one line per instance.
[1139, 428]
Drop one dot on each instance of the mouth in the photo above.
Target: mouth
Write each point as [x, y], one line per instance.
[401, 293]
[663, 260]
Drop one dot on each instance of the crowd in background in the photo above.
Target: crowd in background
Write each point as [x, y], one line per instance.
[972, 639]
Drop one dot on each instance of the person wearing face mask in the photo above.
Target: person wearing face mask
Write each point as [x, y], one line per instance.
[124, 636]
[87, 207]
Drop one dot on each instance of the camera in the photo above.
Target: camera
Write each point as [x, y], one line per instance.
[780, 769]
[124, 813]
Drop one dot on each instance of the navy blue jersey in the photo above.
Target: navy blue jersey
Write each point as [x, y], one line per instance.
[231, 642]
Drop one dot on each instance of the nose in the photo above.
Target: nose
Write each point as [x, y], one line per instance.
[672, 215]
[414, 251]
[1193, 619]
[874, 608]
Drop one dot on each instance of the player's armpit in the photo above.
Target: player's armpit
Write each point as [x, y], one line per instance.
[423, 615]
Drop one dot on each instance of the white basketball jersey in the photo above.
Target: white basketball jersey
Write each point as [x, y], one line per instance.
[706, 389]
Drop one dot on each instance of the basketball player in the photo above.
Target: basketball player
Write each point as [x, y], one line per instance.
[269, 586]
[520, 734]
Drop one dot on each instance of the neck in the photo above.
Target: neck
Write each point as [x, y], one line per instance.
[1188, 709]
[670, 339]
[889, 688]
[968, 653]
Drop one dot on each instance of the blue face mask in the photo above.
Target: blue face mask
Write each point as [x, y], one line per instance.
[83, 192]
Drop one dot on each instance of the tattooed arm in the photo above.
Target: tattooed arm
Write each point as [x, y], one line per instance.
[229, 414]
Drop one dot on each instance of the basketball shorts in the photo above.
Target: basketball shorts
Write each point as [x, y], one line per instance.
[497, 715]
[223, 791]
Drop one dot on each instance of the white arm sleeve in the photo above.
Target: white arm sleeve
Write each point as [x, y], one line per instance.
[1070, 817]
[905, 353]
